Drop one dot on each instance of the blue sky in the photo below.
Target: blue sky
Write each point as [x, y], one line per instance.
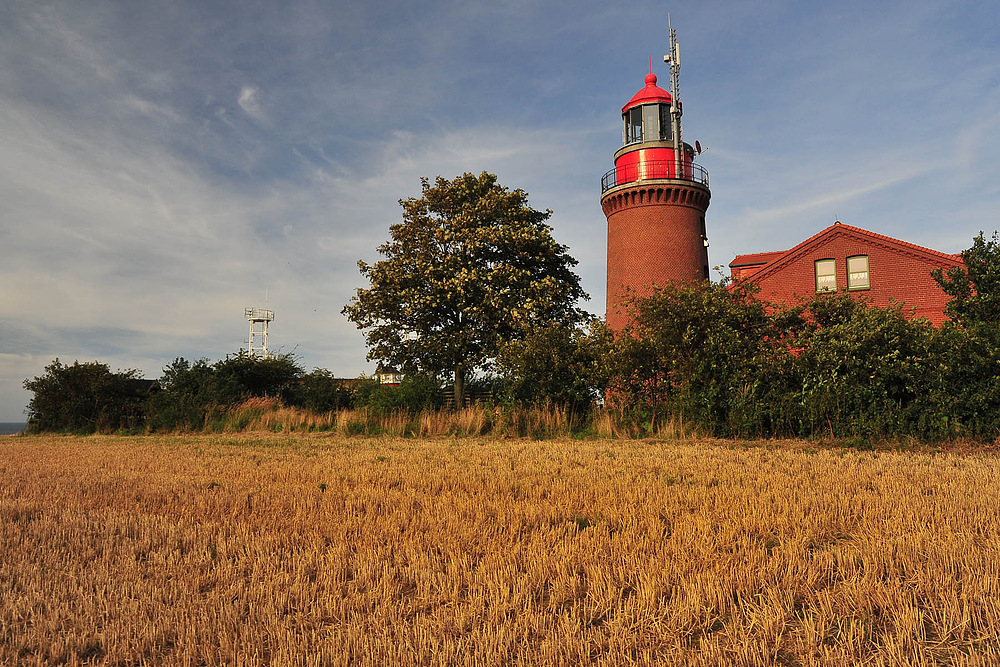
[163, 164]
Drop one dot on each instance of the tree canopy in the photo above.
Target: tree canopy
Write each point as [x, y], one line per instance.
[555, 364]
[84, 398]
[975, 287]
[470, 267]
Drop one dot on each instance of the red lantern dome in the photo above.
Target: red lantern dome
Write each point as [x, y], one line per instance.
[651, 93]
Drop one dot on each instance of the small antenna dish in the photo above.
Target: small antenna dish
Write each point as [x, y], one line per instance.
[697, 147]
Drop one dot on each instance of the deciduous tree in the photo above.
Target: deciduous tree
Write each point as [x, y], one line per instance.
[471, 266]
[975, 287]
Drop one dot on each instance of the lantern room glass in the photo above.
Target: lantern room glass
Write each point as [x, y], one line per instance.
[633, 125]
[666, 130]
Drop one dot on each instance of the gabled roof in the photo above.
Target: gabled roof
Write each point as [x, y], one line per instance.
[775, 261]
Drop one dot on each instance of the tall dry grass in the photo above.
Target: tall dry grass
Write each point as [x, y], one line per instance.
[547, 421]
[304, 549]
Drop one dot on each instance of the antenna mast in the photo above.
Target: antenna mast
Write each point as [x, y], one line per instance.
[674, 60]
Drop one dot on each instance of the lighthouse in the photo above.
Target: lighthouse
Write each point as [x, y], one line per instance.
[655, 199]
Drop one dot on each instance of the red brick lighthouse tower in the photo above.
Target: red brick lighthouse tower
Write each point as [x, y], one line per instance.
[654, 199]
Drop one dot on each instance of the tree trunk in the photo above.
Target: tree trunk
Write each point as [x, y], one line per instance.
[459, 386]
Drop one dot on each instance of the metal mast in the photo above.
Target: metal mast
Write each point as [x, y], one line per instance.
[674, 60]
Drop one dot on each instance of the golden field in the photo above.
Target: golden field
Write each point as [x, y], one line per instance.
[306, 549]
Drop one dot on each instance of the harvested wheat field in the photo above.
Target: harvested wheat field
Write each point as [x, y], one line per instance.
[310, 549]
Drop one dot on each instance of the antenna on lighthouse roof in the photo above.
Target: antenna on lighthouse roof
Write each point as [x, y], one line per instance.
[674, 60]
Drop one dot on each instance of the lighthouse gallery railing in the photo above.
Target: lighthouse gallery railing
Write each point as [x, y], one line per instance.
[652, 169]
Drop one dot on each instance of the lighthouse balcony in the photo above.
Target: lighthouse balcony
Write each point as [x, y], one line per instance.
[654, 170]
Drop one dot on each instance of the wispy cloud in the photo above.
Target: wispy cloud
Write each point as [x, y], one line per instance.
[145, 107]
[837, 192]
[149, 257]
[249, 101]
[162, 165]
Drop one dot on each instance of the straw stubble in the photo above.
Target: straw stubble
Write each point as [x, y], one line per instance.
[310, 549]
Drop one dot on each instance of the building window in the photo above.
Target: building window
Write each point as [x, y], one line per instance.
[857, 272]
[826, 275]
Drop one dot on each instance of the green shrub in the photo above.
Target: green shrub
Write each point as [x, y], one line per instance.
[557, 364]
[320, 391]
[416, 392]
[85, 398]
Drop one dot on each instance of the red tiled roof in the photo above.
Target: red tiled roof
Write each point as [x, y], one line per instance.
[756, 258]
[887, 239]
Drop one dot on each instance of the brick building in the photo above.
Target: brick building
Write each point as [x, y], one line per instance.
[877, 268]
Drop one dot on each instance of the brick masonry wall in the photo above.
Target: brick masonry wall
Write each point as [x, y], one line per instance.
[654, 237]
[894, 275]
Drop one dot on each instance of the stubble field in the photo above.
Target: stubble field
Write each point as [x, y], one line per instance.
[310, 549]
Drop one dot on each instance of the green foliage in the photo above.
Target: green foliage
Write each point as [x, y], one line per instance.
[710, 358]
[970, 351]
[966, 397]
[865, 371]
[416, 392]
[558, 364]
[320, 391]
[186, 397]
[717, 358]
[244, 375]
[84, 398]
[469, 268]
[701, 352]
[975, 287]
[193, 393]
